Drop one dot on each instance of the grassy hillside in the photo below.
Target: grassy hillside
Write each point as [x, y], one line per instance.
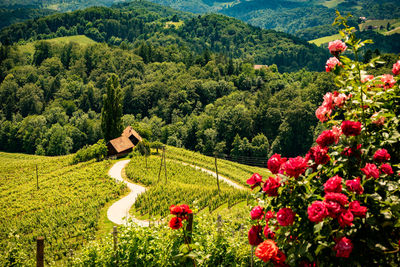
[184, 184]
[326, 39]
[65, 209]
[79, 39]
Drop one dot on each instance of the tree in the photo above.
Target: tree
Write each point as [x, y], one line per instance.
[144, 149]
[111, 113]
[42, 51]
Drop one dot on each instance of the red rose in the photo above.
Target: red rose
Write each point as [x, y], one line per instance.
[326, 138]
[370, 170]
[271, 186]
[355, 186]
[255, 235]
[351, 128]
[267, 250]
[343, 247]
[388, 81]
[269, 215]
[319, 155]
[387, 169]
[285, 216]
[345, 218]
[396, 68]
[295, 166]
[175, 223]
[334, 184]
[275, 162]
[352, 151]
[334, 203]
[255, 180]
[381, 155]
[185, 209]
[268, 233]
[317, 211]
[279, 259]
[257, 213]
[356, 209]
[175, 210]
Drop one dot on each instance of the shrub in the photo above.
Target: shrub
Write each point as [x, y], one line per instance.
[97, 151]
[340, 204]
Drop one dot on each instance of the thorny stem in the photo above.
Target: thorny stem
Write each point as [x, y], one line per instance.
[361, 90]
[188, 245]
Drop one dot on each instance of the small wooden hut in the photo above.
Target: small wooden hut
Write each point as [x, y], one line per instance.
[124, 144]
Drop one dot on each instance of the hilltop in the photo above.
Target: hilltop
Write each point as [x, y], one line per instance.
[143, 21]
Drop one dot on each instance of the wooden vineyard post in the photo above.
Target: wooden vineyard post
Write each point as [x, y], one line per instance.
[219, 224]
[252, 256]
[37, 178]
[165, 164]
[216, 171]
[159, 172]
[115, 237]
[189, 228]
[40, 251]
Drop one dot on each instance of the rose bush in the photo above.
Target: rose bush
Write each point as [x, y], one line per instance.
[340, 204]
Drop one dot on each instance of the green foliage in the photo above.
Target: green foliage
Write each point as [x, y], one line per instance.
[97, 151]
[111, 112]
[65, 209]
[183, 184]
[315, 232]
[159, 246]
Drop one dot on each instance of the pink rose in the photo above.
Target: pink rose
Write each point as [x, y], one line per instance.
[275, 162]
[333, 184]
[381, 155]
[294, 167]
[345, 218]
[370, 170]
[386, 169]
[367, 78]
[337, 47]
[357, 209]
[388, 81]
[317, 211]
[396, 68]
[285, 216]
[340, 99]
[351, 128]
[323, 112]
[326, 138]
[337, 132]
[257, 213]
[343, 247]
[271, 186]
[255, 180]
[355, 186]
[328, 100]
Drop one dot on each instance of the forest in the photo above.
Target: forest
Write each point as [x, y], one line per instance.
[175, 91]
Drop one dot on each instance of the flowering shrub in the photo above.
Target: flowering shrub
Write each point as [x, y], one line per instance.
[340, 204]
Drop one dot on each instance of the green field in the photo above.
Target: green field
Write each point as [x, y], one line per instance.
[184, 184]
[332, 3]
[326, 39]
[79, 39]
[178, 24]
[236, 172]
[65, 209]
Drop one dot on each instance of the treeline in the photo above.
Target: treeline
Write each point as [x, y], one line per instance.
[133, 23]
[11, 16]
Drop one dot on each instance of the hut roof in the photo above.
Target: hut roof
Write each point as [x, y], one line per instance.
[257, 67]
[129, 131]
[121, 144]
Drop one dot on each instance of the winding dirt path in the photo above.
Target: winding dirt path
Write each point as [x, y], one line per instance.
[118, 213]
